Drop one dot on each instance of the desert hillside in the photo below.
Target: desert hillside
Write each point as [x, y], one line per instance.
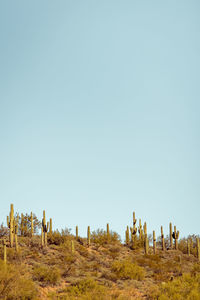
[40, 263]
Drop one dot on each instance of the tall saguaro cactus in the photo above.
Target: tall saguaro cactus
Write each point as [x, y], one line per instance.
[76, 232]
[10, 223]
[88, 236]
[72, 247]
[50, 226]
[45, 228]
[108, 231]
[42, 236]
[154, 242]
[175, 236]
[134, 231]
[170, 235]
[32, 227]
[15, 229]
[146, 241]
[127, 236]
[140, 230]
[162, 239]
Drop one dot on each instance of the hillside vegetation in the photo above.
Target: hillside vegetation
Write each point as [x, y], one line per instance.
[101, 266]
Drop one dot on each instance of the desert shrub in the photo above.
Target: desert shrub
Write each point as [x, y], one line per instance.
[14, 256]
[4, 231]
[66, 232]
[100, 237]
[56, 238]
[196, 269]
[14, 284]
[182, 245]
[137, 243]
[46, 275]
[184, 287]
[87, 289]
[126, 269]
[162, 269]
[114, 251]
[83, 251]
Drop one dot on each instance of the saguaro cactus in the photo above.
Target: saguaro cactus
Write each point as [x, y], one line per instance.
[162, 239]
[134, 232]
[154, 242]
[198, 249]
[146, 241]
[127, 236]
[10, 223]
[108, 231]
[42, 236]
[175, 236]
[132, 237]
[45, 228]
[88, 236]
[77, 232]
[170, 235]
[72, 247]
[140, 230]
[32, 227]
[22, 225]
[15, 229]
[50, 226]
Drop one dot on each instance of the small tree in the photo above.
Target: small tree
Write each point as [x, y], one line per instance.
[25, 224]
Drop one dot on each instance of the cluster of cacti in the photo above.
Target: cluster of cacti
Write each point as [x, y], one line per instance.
[26, 225]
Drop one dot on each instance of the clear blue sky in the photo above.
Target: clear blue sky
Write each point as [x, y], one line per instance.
[100, 112]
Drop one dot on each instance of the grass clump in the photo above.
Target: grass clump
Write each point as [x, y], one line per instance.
[46, 275]
[126, 269]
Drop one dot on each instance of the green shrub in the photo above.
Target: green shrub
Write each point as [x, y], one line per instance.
[100, 237]
[47, 275]
[14, 284]
[126, 269]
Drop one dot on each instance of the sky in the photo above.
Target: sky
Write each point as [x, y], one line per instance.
[100, 112]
